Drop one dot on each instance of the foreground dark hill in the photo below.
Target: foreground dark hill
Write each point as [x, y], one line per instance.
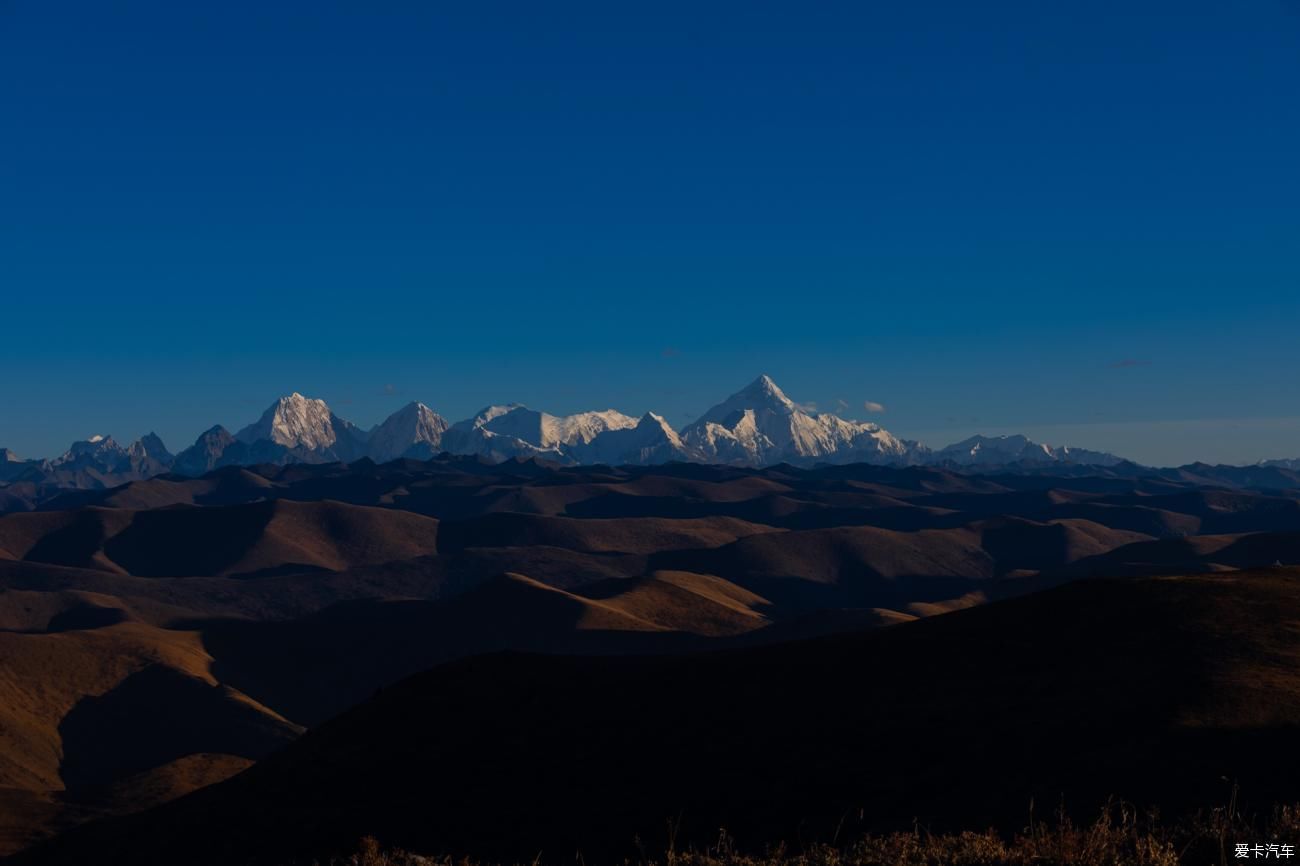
[1155, 689]
[269, 599]
[104, 711]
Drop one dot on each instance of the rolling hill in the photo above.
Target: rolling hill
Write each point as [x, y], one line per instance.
[254, 602]
[1155, 689]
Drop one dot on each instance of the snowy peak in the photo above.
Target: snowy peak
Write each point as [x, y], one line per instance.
[650, 422]
[415, 431]
[500, 433]
[760, 425]
[583, 427]
[763, 391]
[651, 440]
[294, 422]
[490, 413]
[760, 396]
[420, 418]
[97, 449]
[7, 456]
[307, 429]
[520, 429]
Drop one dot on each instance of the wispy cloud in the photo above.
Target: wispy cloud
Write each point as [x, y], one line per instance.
[389, 391]
[806, 407]
[873, 406]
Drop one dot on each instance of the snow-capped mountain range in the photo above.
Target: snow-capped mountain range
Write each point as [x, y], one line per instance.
[757, 426]
[503, 432]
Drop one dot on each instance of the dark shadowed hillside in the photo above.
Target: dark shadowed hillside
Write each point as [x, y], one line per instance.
[256, 601]
[1154, 689]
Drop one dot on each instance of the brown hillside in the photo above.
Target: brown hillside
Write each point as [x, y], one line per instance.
[83, 709]
[1154, 689]
[256, 539]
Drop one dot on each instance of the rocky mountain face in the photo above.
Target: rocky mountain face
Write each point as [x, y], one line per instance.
[11, 465]
[757, 426]
[208, 452]
[148, 456]
[413, 431]
[307, 430]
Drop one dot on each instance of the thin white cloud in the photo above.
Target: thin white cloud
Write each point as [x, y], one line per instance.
[873, 406]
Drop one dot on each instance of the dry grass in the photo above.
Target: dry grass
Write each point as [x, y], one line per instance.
[1119, 837]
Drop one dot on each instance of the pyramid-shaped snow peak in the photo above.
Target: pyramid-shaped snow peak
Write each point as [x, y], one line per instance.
[760, 425]
[415, 430]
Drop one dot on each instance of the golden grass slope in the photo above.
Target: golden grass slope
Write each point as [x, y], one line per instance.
[45, 679]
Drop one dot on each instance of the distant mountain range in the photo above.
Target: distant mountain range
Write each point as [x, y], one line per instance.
[757, 426]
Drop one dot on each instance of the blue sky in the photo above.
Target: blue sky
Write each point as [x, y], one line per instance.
[1079, 219]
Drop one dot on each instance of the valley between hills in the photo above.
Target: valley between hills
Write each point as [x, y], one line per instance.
[417, 650]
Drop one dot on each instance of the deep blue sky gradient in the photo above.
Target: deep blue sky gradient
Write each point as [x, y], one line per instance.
[1077, 218]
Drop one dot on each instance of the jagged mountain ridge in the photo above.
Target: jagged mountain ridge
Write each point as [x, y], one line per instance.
[758, 425]
[651, 441]
[97, 461]
[514, 430]
[1002, 450]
